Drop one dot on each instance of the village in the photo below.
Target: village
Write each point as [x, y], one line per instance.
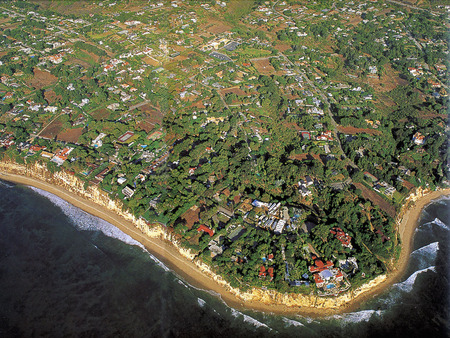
[235, 138]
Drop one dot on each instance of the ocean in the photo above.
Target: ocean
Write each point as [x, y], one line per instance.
[64, 272]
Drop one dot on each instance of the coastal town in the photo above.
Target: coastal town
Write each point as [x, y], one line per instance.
[276, 141]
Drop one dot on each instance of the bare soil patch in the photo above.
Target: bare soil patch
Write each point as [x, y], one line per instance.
[263, 66]
[42, 79]
[70, 135]
[75, 61]
[353, 130]
[151, 117]
[376, 199]
[282, 47]
[51, 97]
[216, 27]
[100, 114]
[305, 156]
[234, 90]
[407, 185]
[388, 81]
[151, 61]
[52, 130]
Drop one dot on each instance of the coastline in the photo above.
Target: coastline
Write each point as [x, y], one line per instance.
[198, 274]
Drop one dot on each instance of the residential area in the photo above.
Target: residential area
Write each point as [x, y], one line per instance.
[275, 140]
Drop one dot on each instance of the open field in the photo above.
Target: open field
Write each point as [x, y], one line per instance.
[42, 79]
[216, 27]
[70, 135]
[234, 90]
[150, 117]
[353, 130]
[388, 81]
[305, 156]
[151, 61]
[52, 130]
[51, 96]
[263, 66]
[376, 199]
[100, 114]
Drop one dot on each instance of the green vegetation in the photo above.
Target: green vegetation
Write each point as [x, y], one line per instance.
[262, 137]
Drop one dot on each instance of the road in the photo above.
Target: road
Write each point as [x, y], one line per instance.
[37, 135]
[412, 7]
[325, 100]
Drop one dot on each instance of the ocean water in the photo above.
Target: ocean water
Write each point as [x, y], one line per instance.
[64, 272]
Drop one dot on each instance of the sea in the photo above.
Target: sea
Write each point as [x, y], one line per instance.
[64, 272]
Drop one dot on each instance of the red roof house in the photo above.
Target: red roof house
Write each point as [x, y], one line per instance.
[204, 228]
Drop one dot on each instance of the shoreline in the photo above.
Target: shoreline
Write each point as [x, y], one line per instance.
[199, 276]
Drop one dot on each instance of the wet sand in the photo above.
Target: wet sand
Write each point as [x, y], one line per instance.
[186, 269]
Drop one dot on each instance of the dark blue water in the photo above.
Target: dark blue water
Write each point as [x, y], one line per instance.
[66, 273]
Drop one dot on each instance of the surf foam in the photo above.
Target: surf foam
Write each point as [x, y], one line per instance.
[201, 302]
[85, 221]
[408, 284]
[292, 322]
[357, 317]
[426, 255]
[248, 319]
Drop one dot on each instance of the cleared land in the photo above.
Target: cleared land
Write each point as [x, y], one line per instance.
[376, 199]
[100, 114]
[234, 90]
[151, 117]
[51, 96]
[71, 135]
[263, 66]
[52, 130]
[42, 79]
[353, 130]
[216, 27]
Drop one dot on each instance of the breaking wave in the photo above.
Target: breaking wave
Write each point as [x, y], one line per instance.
[357, 317]
[408, 284]
[426, 255]
[6, 185]
[182, 283]
[85, 221]
[292, 322]
[438, 222]
[248, 319]
[201, 302]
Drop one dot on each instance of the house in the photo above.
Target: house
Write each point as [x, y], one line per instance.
[35, 148]
[204, 228]
[370, 176]
[226, 211]
[97, 142]
[325, 136]
[101, 175]
[343, 237]
[128, 191]
[418, 138]
[46, 154]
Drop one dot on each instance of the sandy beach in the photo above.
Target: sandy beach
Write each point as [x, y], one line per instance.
[167, 253]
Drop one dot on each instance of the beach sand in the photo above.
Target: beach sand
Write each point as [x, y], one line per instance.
[187, 270]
